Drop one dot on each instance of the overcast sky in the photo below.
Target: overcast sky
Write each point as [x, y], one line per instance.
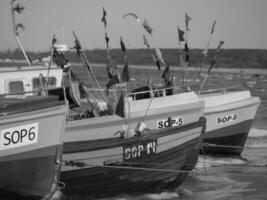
[240, 23]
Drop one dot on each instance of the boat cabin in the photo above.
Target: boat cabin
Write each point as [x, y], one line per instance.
[17, 80]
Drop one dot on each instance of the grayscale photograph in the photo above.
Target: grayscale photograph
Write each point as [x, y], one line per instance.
[133, 100]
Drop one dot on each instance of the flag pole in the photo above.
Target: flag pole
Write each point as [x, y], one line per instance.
[181, 59]
[16, 33]
[108, 49]
[205, 52]
[211, 65]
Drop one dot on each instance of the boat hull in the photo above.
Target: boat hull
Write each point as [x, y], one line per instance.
[32, 175]
[105, 170]
[229, 120]
[31, 149]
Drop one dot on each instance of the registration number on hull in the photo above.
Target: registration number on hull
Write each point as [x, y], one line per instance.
[140, 150]
[19, 136]
[176, 121]
[226, 119]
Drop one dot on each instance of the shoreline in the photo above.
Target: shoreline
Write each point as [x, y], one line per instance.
[251, 71]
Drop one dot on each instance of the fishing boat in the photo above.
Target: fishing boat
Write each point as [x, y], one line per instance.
[230, 113]
[153, 160]
[31, 143]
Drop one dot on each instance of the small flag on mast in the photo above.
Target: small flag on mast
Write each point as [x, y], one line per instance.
[187, 19]
[114, 80]
[186, 49]
[19, 8]
[104, 17]
[106, 39]
[180, 35]
[123, 48]
[125, 72]
[159, 56]
[147, 27]
[213, 26]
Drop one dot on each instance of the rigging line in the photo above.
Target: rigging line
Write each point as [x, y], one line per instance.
[121, 162]
[198, 173]
[219, 164]
[139, 168]
[217, 145]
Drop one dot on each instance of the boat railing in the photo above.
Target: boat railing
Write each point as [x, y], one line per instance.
[155, 92]
[37, 92]
[222, 90]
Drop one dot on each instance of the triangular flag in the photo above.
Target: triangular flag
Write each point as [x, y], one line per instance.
[104, 17]
[147, 27]
[180, 35]
[106, 39]
[123, 48]
[120, 107]
[77, 47]
[187, 19]
[59, 58]
[114, 80]
[125, 72]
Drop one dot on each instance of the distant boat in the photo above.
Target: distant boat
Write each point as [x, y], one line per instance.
[229, 114]
[31, 138]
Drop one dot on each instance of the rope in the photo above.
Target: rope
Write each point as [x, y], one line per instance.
[169, 170]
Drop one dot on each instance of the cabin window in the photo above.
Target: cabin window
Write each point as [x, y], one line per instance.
[16, 87]
[36, 82]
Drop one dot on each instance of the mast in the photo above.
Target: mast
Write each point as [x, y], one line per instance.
[15, 28]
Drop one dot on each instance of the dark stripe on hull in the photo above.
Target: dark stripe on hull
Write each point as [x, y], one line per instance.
[31, 178]
[231, 139]
[101, 181]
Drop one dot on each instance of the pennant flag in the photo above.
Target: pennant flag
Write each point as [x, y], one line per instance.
[215, 56]
[180, 35]
[125, 72]
[146, 42]
[19, 26]
[104, 17]
[159, 56]
[77, 47]
[111, 67]
[186, 49]
[54, 40]
[59, 58]
[106, 39]
[147, 27]
[187, 19]
[114, 80]
[156, 61]
[166, 75]
[19, 8]
[213, 26]
[123, 48]
[120, 107]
